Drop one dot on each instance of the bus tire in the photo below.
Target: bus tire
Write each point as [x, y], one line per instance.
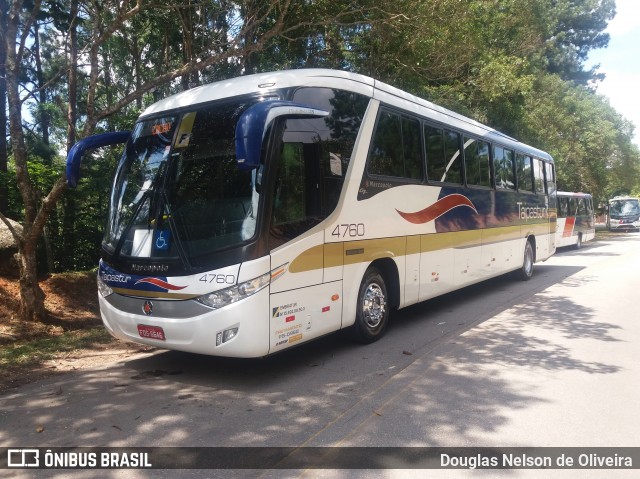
[526, 270]
[578, 244]
[372, 311]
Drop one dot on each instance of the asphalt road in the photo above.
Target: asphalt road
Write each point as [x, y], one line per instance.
[552, 362]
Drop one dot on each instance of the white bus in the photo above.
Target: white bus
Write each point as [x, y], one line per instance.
[623, 213]
[576, 220]
[254, 214]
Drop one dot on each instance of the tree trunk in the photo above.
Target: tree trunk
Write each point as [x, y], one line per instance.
[137, 71]
[4, 196]
[69, 215]
[42, 95]
[31, 307]
[73, 77]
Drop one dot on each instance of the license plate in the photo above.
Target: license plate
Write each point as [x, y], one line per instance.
[152, 332]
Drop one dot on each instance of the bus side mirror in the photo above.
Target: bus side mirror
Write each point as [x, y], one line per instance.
[74, 157]
[253, 124]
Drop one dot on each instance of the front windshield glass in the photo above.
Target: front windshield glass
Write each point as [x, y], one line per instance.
[624, 208]
[178, 192]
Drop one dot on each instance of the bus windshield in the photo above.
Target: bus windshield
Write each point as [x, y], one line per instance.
[628, 207]
[178, 192]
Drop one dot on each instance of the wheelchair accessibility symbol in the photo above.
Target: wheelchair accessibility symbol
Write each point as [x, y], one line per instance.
[161, 241]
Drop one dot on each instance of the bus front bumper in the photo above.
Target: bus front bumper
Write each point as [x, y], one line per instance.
[206, 333]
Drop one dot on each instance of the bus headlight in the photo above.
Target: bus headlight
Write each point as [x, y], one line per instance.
[103, 288]
[224, 297]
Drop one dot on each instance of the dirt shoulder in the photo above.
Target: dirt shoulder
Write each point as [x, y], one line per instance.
[71, 338]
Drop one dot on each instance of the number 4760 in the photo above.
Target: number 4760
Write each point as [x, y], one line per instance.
[351, 230]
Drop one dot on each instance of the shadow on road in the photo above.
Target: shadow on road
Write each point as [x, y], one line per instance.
[320, 393]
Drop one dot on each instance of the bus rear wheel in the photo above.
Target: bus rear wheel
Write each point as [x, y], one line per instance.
[526, 271]
[372, 311]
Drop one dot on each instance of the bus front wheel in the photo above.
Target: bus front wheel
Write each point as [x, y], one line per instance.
[372, 312]
[526, 271]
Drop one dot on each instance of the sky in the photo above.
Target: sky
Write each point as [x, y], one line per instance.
[620, 62]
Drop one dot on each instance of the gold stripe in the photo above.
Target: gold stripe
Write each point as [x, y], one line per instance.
[413, 245]
[332, 255]
[353, 252]
[536, 229]
[375, 249]
[454, 239]
[308, 260]
[503, 233]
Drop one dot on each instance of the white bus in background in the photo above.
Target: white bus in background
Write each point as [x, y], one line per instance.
[257, 213]
[576, 220]
[623, 213]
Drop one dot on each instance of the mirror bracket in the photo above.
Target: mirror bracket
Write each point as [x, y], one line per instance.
[74, 157]
[254, 122]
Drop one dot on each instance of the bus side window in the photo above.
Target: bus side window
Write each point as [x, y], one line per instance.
[385, 157]
[550, 178]
[396, 149]
[290, 195]
[524, 172]
[335, 135]
[538, 176]
[444, 162]
[412, 148]
[476, 162]
[503, 168]
[573, 207]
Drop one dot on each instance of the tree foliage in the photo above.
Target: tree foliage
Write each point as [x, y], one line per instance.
[77, 67]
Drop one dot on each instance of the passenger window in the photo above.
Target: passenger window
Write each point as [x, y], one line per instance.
[524, 172]
[396, 149]
[550, 178]
[573, 207]
[538, 175]
[443, 155]
[476, 161]
[412, 148]
[503, 167]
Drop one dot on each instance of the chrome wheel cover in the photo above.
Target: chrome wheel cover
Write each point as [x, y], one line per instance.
[374, 305]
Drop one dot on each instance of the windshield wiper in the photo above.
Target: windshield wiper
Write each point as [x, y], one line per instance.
[129, 225]
[152, 189]
[173, 227]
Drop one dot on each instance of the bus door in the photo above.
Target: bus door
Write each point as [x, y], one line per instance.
[306, 297]
[550, 189]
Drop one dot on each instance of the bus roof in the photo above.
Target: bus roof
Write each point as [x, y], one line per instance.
[576, 194]
[269, 82]
[618, 198]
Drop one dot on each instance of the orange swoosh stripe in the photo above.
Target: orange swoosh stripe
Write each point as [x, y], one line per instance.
[437, 209]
